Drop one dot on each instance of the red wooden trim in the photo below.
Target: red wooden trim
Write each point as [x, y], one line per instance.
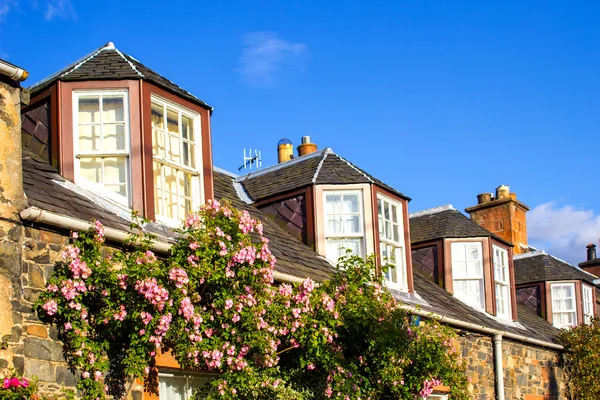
[54, 127]
[492, 278]
[309, 199]
[548, 301]
[424, 244]
[544, 306]
[147, 170]
[281, 196]
[135, 132]
[448, 266]
[375, 219]
[441, 264]
[488, 278]
[407, 245]
[512, 288]
[579, 302]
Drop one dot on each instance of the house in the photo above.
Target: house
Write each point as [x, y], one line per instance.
[563, 294]
[107, 135]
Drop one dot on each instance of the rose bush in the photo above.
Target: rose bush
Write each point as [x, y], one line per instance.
[213, 304]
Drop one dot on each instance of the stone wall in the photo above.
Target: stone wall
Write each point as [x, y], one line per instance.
[33, 348]
[528, 370]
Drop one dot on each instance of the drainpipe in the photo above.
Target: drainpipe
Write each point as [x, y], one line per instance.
[498, 367]
[12, 71]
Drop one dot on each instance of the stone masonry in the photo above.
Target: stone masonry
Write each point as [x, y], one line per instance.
[528, 370]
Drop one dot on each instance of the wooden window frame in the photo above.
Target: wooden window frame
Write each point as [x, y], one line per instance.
[507, 284]
[592, 302]
[576, 303]
[399, 245]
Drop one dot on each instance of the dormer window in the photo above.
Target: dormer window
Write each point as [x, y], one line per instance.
[588, 303]
[176, 160]
[101, 143]
[467, 273]
[391, 241]
[343, 223]
[502, 282]
[564, 311]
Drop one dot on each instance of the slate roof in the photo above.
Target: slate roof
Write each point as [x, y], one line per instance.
[445, 222]
[47, 190]
[321, 167]
[539, 266]
[443, 303]
[109, 63]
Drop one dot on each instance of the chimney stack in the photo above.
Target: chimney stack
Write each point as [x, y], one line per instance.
[502, 215]
[591, 252]
[285, 150]
[306, 147]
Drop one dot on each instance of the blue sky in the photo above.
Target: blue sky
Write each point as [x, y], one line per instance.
[442, 100]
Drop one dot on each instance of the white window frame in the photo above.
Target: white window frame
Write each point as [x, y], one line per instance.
[572, 311]
[77, 154]
[197, 197]
[454, 248]
[361, 220]
[181, 374]
[587, 299]
[502, 285]
[390, 244]
[438, 396]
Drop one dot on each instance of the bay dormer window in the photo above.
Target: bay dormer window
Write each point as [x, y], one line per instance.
[502, 282]
[343, 223]
[101, 143]
[391, 242]
[176, 161]
[467, 273]
[564, 311]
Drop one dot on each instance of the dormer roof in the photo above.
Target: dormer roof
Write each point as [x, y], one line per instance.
[539, 266]
[445, 222]
[109, 63]
[320, 168]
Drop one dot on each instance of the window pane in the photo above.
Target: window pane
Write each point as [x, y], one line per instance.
[91, 169]
[187, 128]
[188, 155]
[333, 204]
[394, 213]
[89, 138]
[157, 116]
[458, 252]
[112, 109]
[352, 224]
[354, 245]
[89, 109]
[174, 149]
[334, 249]
[173, 121]
[388, 230]
[114, 137]
[172, 388]
[379, 208]
[158, 143]
[351, 203]
[334, 224]
[386, 210]
[115, 170]
[396, 233]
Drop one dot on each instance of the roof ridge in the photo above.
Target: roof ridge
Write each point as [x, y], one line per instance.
[133, 67]
[326, 151]
[432, 210]
[360, 171]
[108, 46]
[282, 165]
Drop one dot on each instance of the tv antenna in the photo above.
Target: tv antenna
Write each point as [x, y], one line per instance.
[252, 160]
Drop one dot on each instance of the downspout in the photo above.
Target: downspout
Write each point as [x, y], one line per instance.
[34, 214]
[498, 367]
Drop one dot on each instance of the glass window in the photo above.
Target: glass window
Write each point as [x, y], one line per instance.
[101, 143]
[343, 223]
[391, 241]
[467, 273]
[564, 314]
[175, 149]
[588, 303]
[179, 385]
[502, 280]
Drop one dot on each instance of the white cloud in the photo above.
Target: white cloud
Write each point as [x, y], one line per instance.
[59, 9]
[563, 231]
[5, 7]
[264, 54]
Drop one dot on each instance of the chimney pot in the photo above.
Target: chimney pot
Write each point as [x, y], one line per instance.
[502, 192]
[285, 150]
[513, 196]
[591, 252]
[306, 147]
[484, 198]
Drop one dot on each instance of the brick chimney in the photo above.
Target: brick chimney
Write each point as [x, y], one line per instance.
[592, 263]
[502, 215]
